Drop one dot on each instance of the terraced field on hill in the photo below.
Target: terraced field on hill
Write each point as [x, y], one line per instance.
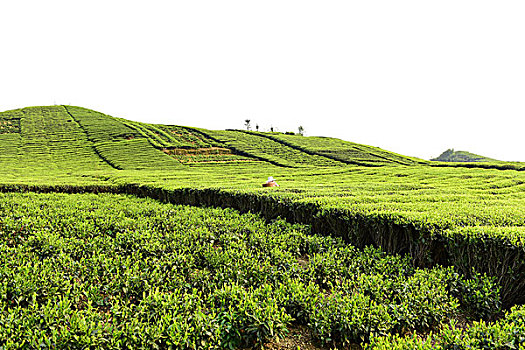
[396, 251]
[46, 138]
[268, 150]
[118, 144]
[343, 151]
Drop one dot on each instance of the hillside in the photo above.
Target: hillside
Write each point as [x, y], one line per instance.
[103, 245]
[461, 156]
[75, 138]
[343, 151]
[45, 137]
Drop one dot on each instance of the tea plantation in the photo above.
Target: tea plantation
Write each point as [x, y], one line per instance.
[120, 234]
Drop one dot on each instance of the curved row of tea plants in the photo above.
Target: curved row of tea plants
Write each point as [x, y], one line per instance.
[269, 150]
[119, 144]
[206, 156]
[113, 271]
[469, 218]
[343, 151]
[507, 333]
[46, 138]
[462, 217]
[171, 136]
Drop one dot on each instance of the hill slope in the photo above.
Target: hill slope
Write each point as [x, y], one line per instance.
[68, 138]
[45, 137]
[343, 151]
[461, 156]
[117, 143]
[118, 258]
[75, 138]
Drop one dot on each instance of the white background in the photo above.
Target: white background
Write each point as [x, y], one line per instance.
[414, 77]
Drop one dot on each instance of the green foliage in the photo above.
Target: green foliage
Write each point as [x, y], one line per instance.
[119, 143]
[130, 154]
[205, 156]
[348, 319]
[10, 122]
[46, 138]
[188, 137]
[507, 333]
[100, 127]
[342, 151]
[255, 145]
[461, 156]
[81, 137]
[116, 271]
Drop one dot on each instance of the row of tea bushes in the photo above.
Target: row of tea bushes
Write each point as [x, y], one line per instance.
[269, 150]
[343, 151]
[46, 139]
[460, 220]
[118, 271]
[506, 333]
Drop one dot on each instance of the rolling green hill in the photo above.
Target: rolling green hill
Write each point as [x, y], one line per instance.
[54, 136]
[45, 138]
[461, 156]
[75, 138]
[376, 249]
[343, 151]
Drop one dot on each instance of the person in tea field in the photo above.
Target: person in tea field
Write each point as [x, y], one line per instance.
[270, 182]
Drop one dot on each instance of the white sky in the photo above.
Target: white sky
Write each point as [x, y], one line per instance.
[414, 77]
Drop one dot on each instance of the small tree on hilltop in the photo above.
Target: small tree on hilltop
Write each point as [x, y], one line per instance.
[247, 124]
[301, 130]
